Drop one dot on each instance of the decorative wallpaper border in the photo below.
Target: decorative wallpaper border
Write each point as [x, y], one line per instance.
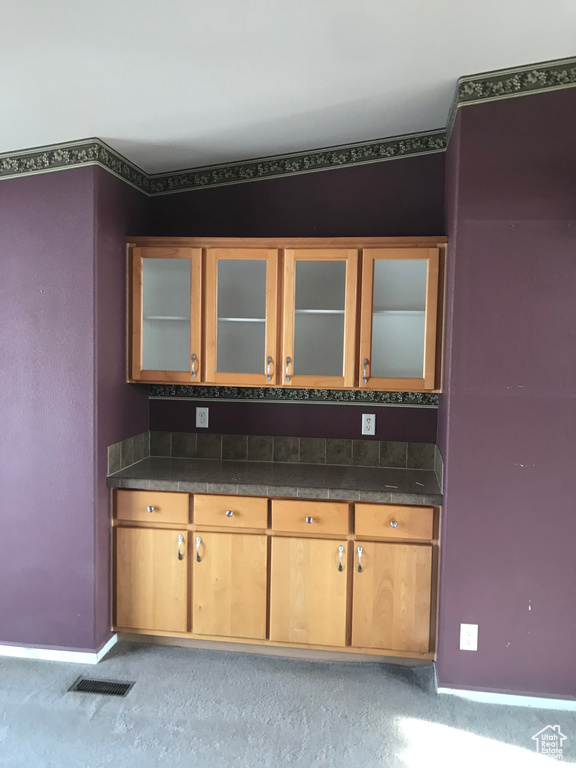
[275, 167]
[175, 391]
[74, 154]
[508, 83]
[471, 89]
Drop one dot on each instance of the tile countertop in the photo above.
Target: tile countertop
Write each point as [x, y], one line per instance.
[305, 481]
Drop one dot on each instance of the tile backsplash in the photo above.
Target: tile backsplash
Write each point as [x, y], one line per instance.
[305, 450]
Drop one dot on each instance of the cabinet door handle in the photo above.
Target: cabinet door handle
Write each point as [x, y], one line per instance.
[359, 559]
[150, 509]
[198, 542]
[366, 364]
[288, 361]
[193, 360]
[180, 540]
[340, 553]
[268, 368]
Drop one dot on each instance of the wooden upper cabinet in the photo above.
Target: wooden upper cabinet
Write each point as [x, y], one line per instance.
[319, 317]
[165, 315]
[241, 316]
[398, 319]
[286, 313]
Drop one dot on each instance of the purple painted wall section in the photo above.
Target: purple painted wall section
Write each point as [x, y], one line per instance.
[63, 400]
[121, 409]
[400, 197]
[397, 197]
[409, 424]
[509, 428]
[46, 402]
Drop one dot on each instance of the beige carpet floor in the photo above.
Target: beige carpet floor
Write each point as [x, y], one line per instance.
[203, 709]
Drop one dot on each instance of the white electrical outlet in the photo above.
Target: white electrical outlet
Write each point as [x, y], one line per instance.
[468, 637]
[202, 417]
[368, 423]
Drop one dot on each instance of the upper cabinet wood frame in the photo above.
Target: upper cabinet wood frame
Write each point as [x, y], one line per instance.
[282, 255]
[137, 256]
[427, 382]
[270, 362]
[289, 364]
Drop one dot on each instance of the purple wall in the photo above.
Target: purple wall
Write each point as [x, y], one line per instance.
[399, 197]
[508, 421]
[392, 198]
[46, 397]
[409, 424]
[121, 408]
[61, 311]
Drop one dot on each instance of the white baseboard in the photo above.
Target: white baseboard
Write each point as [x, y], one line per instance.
[46, 654]
[511, 700]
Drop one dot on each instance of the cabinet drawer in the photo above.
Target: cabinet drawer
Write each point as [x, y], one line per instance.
[152, 506]
[387, 521]
[247, 511]
[310, 517]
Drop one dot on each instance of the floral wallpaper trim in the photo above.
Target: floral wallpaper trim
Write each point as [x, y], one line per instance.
[471, 89]
[72, 155]
[176, 391]
[300, 162]
[507, 83]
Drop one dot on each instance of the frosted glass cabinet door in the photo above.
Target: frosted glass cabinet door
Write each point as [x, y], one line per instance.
[241, 318]
[166, 314]
[398, 323]
[319, 318]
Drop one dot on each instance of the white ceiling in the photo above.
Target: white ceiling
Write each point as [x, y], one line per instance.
[174, 84]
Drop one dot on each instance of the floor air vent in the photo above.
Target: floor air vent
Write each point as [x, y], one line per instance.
[103, 687]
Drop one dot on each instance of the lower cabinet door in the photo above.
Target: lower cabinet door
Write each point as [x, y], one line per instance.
[229, 585]
[308, 591]
[391, 596]
[151, 579]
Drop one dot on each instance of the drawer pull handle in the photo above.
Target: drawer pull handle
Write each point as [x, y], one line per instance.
[393, 524]
[288, 361]
[198, 542]
[340, 553]
[229, 513]
[268, 369]
[150, 509]
[193, 365]
[180, 540]
[359, 559]
[366, 363]
[309, 519]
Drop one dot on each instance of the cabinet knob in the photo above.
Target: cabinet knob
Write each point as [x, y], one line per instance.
[150, 509]
[229, 513]
[393, 524]
[366, 363]
[309, 519]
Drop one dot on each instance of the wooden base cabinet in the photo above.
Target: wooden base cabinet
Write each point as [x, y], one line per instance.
[229, 578]
[294, 573]
[391, 596]
[308, 591]
[152, 579]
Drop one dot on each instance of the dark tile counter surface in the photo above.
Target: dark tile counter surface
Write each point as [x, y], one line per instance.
[303, 481]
